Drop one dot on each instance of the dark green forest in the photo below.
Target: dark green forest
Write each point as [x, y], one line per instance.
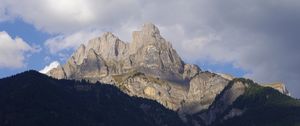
[34, 99]
[264, 106]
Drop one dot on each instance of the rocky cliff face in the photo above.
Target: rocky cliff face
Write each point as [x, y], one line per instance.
[146, 67]
[220, 109]
[279, 87]
[149, 67]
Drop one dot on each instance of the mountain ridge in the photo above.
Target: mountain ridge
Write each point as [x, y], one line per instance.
[31, 98]
[150, 68]
[148, 53]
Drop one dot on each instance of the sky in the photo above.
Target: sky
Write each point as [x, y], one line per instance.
[251, 38]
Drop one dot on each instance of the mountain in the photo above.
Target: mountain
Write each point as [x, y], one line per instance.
[147, 67]
[34, 99]
[150, 68]
[244, 102]
[264, 107]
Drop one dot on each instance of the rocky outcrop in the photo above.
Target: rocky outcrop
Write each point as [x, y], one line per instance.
[226, 76]
[204, 87]
[190, 71]
[165, 92]
[57, 72]
[223, 102]
[279, 87]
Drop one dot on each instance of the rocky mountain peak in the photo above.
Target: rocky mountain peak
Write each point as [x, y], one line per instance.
[108, 46]
[147, 67]
[79, 54]
[151, 29]
[148, 35]
[108, 35]
[279, 87]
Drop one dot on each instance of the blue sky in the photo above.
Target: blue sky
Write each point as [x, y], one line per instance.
[36, 61]
[28, 33]
[251, 38]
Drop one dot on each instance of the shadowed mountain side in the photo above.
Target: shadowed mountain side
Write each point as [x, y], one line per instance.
[245, 103]
[261, 106]
[34, 99]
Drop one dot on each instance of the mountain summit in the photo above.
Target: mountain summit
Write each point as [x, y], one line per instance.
[107, 55]
[149, 67]
[146, 67]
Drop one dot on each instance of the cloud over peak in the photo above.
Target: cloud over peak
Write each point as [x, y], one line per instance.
[52, 65]
[13, 51]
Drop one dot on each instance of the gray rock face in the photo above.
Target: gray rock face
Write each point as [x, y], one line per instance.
[220, 105]
[190, 71]
[149, 67]
[109, 60]
[57, 73]
[204, 87]
[165, 92]
[279, 87]
[146, 67]
[226, 76]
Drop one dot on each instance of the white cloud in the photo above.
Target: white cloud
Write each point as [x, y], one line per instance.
[12, 51]
[65, 16]
[70, 41]
[52, 65]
